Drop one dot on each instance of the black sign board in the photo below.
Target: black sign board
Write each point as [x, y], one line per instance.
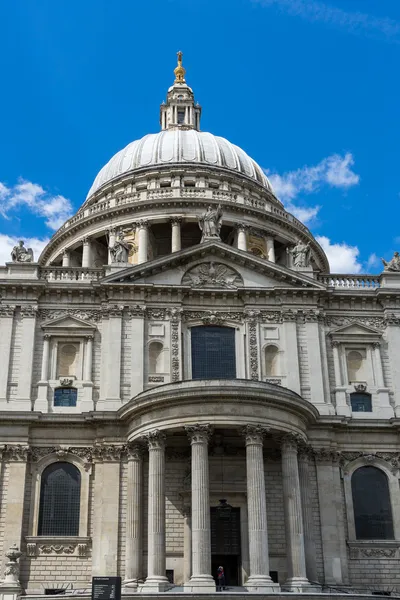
[106, 588]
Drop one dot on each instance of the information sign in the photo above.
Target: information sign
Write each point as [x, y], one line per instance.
[106, 588]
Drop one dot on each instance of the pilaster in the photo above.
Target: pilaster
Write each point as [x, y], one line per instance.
[342, 408]
[291, 355]
[6, 328]
[393, 341]
[385, 409]
[111, 338]
[304, 459]
[316, 368]
[28, 325]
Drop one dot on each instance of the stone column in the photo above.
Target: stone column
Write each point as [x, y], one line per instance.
[86, 252]
[143, 241]
[342, 408]
[6, 328]
[297, 578]
[66, 259]
[201, 579]
[156, 579]
[41, 402]
[270, 247]
[187, 543]
[308, 516]
[259, 580]
[134, 517]
[241, 238]
[175, 233]
[24, 390]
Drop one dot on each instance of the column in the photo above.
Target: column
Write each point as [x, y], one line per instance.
[134, 517]
[66, 258]
[296, 562]
[342, 408]
[259, 580]
[41, 402]
[6, 328]
[86, 252]
[308, 517]
[270, 247]
[156, 579]
[333, 533]
[28, 326]
[201, 579]
[111, 242]
[187, 544]
[175, 233]
[107, 474]
[242, 238]
[143, 241]
[385, 409]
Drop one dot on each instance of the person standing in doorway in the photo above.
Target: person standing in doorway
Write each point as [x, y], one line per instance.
[221, 579]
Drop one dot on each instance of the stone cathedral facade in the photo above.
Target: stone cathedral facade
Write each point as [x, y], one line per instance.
[184, 385]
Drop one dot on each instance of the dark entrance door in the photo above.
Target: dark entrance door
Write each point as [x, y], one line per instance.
[225, 544]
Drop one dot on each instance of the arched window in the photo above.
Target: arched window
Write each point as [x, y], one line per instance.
[156, 357]
[213, 352]
[355, 365]
[60, 492]
[371, 503]
[361, 402]
[272, 366]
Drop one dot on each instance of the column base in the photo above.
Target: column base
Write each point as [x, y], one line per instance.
[200, 583]
[130, 586]
[155, 584]
[261, 584]
[300, 585]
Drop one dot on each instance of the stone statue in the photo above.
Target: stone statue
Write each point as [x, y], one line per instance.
[210, 223]
[21, 254]
[300, 254]
[120, 250]
[393, 264]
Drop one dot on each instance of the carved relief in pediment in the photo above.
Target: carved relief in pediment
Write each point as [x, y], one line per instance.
[212, 274]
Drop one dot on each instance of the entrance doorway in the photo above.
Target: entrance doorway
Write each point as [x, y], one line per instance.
[225, 543]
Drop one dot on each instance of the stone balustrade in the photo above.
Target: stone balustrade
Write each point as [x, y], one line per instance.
[68, 274]
[353, 282]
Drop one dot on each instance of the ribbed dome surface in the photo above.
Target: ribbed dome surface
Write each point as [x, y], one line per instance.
[182, 147]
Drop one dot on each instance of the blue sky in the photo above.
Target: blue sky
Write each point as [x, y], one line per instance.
[309, 88]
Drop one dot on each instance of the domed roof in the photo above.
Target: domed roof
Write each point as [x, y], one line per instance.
[179, 146]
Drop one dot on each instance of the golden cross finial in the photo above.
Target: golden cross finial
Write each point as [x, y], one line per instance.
[179, 70]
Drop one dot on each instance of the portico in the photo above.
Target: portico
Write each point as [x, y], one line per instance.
[251, 442]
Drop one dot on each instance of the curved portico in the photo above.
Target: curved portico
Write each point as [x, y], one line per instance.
[259, 419]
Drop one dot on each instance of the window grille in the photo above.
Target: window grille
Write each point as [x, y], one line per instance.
[213, 352]
[371, 503]
[60, 500]
[361, 402]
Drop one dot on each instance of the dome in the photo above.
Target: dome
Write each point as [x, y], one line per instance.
[178, 146]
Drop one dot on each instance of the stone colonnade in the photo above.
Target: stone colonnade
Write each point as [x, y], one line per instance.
[142, 228]
[298, 515]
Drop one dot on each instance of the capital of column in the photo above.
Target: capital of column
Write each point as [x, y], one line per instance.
[291, 442]
[176, 220]
[87, 239]
[142, 224]
[254, 434]
[335, 344]
[376, 345]
[199, 433]
[134, 452]
[241, 227]
[155, 439]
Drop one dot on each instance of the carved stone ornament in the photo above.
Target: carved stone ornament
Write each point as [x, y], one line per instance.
[210, 223]
[134, 452]
[16, 452]
[213, 317]
[28, 311]
[20, 254]
[393, 264]
[212, 275]
[253, 351]
[359, 551]
[175, 353]
[337, 321]
[360, 387]
[155, 439]
[391, 458]
[66, 381]
[199, 433]
[254, 434]
[46, 546]
[11, 570]
[84, 315]
[7, 310]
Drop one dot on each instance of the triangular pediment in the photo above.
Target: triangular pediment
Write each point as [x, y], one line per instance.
[355, 329]
[67, 322]
[212, 265]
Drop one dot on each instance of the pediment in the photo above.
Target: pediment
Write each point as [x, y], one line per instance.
[212, 265]
[68, 322]
[355, 329]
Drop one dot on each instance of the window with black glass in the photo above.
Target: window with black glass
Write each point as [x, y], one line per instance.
[65, 396]
[181, 117]
[60, 493]
[361, 402]
[371, 504]
[213, 352]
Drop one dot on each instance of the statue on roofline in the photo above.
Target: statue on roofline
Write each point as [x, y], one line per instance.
[393, 264]
[210, 223]
[21, 254]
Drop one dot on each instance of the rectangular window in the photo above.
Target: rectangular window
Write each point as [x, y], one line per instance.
[213, 352]
[65, 396]
[181, 117]
[361, 402]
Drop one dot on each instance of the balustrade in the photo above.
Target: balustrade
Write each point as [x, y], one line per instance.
[68, 274]
[352, 282]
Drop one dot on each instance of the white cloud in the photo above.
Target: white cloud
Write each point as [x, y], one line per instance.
[335, 171]
[356, 23]
[7, 243]
[55, 209]
[342, 257]
[373, 261]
